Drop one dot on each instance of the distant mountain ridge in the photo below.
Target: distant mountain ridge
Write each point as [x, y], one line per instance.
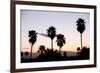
[69, 53]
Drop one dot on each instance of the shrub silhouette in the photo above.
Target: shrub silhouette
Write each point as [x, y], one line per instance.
[85, 53]
[22, 53]
[26, 53]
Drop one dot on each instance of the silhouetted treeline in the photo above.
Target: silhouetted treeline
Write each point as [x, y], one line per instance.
[54, 55]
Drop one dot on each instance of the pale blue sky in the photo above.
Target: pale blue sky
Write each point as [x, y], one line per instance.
[64, 22]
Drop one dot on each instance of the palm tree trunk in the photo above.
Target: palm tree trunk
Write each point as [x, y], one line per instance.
[59, 49]
[51, 44]
[81, 40]
[31, 52]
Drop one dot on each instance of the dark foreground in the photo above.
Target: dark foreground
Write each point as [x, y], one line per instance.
[54, 55]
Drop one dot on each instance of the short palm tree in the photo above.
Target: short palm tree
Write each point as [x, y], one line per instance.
[60, 41]
[51, 33]
[78, 50]
[42, 49]
[80, 27]
[32, 39]
[26, 55]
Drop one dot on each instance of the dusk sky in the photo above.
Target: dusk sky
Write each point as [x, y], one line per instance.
[64, 22]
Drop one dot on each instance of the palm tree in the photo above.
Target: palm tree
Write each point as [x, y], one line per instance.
[78, 50]
[51, 33]
[42, 49]
[60, 41]
[80, 27]
[26, 54]
[32, 39]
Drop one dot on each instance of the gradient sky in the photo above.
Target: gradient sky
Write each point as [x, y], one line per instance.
[64, 22]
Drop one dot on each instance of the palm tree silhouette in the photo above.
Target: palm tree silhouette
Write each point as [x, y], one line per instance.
[32, 39]
[26, 54]
[78, 50]
[80, 27]
[51, 33]
[60, 41]
[42, 49]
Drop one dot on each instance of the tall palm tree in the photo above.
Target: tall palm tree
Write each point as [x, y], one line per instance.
[80, 27]
[51, 33]
[60, 41]
[32, 39]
